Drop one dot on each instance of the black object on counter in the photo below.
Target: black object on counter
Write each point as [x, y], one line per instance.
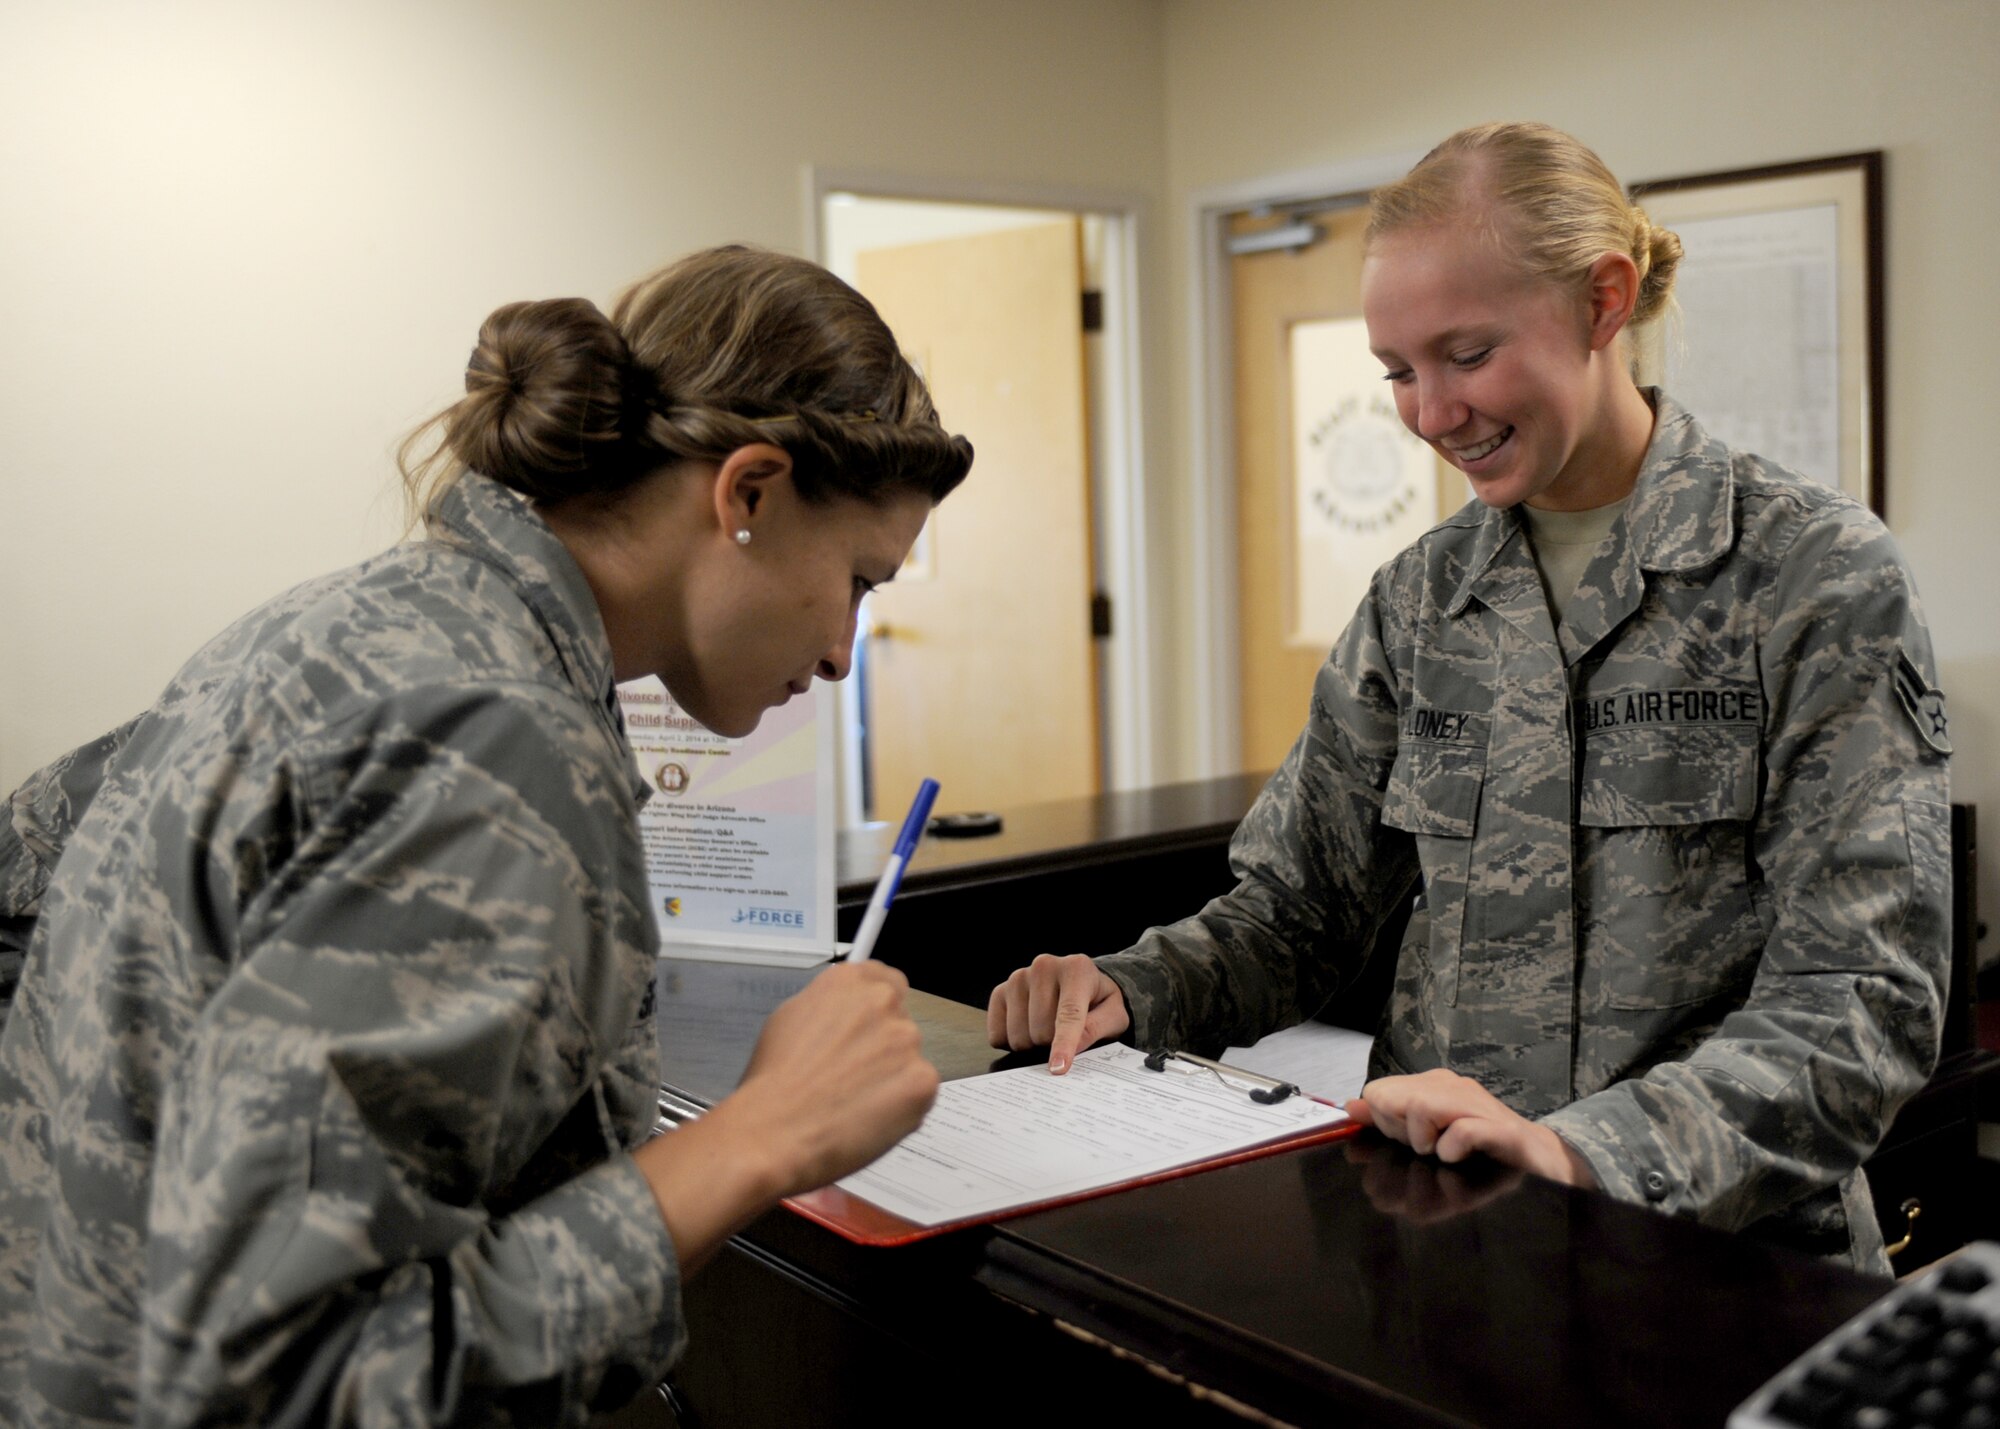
[965, 826]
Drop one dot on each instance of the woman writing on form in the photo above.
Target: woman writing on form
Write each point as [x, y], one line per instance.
[326, 1090]
[1649, 730]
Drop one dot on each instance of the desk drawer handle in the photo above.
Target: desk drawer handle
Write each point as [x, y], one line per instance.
[1911, 1209]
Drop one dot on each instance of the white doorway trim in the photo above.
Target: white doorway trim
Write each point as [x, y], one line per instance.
[1212, 432]
[1124, 542]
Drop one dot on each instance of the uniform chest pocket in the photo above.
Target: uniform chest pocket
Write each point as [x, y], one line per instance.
[1433, 793]
[1434, 786]
[1441, 765]
[1662, 778]
[1666, 905]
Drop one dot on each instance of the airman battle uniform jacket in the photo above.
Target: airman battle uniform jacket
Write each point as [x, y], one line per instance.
[334, 1025]
[1680, 864]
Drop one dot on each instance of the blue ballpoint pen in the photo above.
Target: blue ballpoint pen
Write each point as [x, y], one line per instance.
[892, 876]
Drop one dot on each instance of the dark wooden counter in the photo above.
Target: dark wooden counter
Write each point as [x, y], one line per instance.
[1354, 1283]
[1362, 1280]
[1069, 876]
[1061, 833]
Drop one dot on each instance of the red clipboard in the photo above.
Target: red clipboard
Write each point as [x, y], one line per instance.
[865, 1223]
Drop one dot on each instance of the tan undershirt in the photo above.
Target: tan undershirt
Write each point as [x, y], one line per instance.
[1564, 542]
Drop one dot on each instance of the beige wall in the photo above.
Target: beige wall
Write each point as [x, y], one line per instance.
[246, 246]
[1272, 86]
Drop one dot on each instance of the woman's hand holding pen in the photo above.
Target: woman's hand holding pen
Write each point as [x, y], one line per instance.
[841, 1069]
[838, 1078]
[1065, 1004]
[1453, 1116]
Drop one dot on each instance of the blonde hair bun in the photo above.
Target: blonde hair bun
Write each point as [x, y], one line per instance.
[1657, 251]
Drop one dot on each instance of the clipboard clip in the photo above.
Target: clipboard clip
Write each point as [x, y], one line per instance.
[674, 1110]
[1266, 1090]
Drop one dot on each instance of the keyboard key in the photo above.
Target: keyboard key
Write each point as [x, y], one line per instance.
[1962, 1345]
[1933, 1404]
[1963, 1277]
[1959, 1316]
[1809, 1407]
[1835, 1378]
[1927, 1308]
[1901, 1329]
[1939, 1370]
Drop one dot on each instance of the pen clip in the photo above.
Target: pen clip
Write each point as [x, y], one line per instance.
[1267, 1091]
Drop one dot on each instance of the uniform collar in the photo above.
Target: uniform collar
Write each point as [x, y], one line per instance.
[1682, 514]
[483, 518]
[1683, 511]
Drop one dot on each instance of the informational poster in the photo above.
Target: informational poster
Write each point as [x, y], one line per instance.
[1760, 359]
[1363, 485]
[739, 833]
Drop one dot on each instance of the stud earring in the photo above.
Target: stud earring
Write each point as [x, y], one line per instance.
[743, 536]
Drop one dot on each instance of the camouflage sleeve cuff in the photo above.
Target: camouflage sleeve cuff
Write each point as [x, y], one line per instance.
[1149, 998]
[565, 1309]
[607, 1278]
[1623, 1149]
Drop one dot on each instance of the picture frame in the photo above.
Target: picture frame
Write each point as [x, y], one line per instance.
[1778, 342]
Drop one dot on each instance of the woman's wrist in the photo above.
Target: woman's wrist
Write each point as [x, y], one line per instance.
[710, 1177]
[1577, 1171]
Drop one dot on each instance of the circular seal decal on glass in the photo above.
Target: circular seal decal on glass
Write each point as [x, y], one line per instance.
[1362, 479]
[1363, 485]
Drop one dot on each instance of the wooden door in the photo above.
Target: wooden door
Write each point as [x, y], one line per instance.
[983, 670]
[1271, 293]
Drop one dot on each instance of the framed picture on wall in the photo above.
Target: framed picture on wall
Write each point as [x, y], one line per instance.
[1778, 342]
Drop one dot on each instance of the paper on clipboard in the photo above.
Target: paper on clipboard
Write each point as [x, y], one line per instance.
[1010, 1140]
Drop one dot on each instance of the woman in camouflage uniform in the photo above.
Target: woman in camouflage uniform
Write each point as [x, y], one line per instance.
[326, 1090]
[1649, 731]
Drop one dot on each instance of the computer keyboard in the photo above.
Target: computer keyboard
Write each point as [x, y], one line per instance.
[1926, 1356]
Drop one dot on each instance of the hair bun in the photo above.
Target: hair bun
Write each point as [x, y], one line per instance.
[554, 404]
[1657, 251]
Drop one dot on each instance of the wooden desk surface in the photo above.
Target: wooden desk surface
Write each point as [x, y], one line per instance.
[1364, 1277]
[1354, 1279]
[1061, 831]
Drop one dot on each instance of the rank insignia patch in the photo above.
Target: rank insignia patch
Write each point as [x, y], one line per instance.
[1924, 705]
